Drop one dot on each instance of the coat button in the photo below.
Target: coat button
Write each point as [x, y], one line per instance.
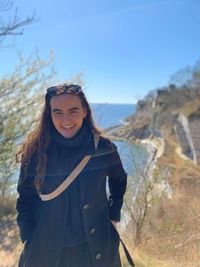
[98, 256]
[92, 231]
[86, 206]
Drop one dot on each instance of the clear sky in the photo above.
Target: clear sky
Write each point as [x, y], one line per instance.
[125, 47]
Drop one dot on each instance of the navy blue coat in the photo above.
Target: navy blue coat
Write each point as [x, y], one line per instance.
[42, 223]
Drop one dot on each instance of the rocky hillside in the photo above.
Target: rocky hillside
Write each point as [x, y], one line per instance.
[164, 113]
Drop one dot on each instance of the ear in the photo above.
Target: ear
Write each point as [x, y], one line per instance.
[84, 112]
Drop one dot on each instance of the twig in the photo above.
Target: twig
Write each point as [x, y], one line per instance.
[187, 240]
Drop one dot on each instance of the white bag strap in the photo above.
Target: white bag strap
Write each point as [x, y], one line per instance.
[72, 176]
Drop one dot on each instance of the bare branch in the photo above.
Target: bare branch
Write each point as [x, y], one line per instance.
[14, 26]
[5, 5]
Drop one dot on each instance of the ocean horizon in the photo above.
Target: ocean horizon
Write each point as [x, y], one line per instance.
[111, 114]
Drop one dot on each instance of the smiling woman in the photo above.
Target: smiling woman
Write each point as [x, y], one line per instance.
[67, 114]
[69, 221]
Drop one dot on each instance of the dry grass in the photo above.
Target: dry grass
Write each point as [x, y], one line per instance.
[10, 245]
[171, 237]
[189, 108]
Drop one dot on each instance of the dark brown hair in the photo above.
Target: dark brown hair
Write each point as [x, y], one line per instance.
[38, 140]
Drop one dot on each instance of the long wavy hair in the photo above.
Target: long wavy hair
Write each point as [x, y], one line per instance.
[38, 140]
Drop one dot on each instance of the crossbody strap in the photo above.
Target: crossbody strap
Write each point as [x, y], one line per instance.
[72, 176]
[67, 181]
[128, 256]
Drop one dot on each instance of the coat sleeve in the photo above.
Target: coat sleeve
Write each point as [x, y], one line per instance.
[117, 180]
[26, 206]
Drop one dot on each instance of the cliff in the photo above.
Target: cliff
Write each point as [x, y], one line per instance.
[166, 113]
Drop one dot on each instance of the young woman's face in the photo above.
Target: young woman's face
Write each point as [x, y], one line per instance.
[67, 114]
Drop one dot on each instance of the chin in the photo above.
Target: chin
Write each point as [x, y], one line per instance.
[68, 135]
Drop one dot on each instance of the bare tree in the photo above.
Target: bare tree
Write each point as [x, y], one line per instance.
[138, 202]
[196, 75]
[15, 25]
[21, 94]
[182, 77]
[188, 77]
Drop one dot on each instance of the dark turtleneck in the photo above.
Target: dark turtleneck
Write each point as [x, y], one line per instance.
[83, 134]
[63, 155]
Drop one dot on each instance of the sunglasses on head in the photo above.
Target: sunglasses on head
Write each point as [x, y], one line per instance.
[65, 88]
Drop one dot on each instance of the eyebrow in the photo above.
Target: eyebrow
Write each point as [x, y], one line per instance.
[70, 109]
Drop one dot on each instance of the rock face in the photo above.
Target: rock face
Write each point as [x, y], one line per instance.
[187, 130]
[194, 127]
[180, 130]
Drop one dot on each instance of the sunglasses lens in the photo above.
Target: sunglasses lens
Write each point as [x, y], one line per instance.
[56, 90]
[73, 89]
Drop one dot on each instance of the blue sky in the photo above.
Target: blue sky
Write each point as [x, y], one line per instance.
[125, 47]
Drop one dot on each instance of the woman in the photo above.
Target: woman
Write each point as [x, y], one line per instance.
[74, 228]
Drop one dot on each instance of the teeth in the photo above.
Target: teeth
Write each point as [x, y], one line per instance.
[68, 127]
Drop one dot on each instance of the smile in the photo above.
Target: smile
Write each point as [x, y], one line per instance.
[68, 127]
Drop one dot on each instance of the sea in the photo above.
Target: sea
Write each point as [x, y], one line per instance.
[106, 115]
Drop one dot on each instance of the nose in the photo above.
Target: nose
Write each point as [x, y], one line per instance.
[66, 118]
